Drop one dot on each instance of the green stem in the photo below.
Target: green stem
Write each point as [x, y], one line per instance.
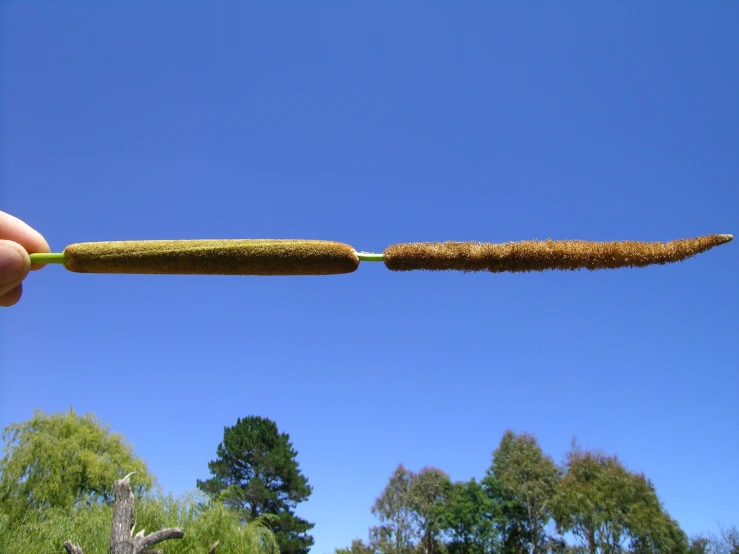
[370, 257]
[53, 258]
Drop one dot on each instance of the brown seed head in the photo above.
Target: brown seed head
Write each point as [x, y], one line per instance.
[213, 257]
[536, 255]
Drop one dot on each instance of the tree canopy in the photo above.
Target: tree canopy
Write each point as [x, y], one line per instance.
[393, 508]
[57, 474]
[609, 508]
[410, 510]
[56, 484]
[256, 473]
[470, 518]
[429, 491]
[526, 503]
[62, 461]
[203, 522]
[525, 480]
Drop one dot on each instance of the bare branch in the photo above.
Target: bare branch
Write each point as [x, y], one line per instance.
[123, 515]
[122, 540]
[213, 548]
[142, 543]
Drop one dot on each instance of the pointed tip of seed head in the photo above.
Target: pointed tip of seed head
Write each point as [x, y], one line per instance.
[726, 238]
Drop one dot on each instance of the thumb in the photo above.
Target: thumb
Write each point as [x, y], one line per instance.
[14, 265]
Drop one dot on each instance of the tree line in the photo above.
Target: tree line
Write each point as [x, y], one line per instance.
[58, 471]
[526, 503]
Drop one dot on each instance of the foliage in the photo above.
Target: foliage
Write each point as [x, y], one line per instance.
[256, 473]
[594, 499]
[700, 545]
[727, 542]
[411, 510]
[469, 517]
[45, 530]
[89, 526]
[357, 547]
[525, 480]
[429, 491]
[393, 508]
[63, 461]
[57, 474]
[609, 508]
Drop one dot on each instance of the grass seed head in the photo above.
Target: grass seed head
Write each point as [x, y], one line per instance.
[213, 257]
[536, 255]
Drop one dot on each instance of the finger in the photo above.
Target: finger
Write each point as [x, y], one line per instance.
[12, 296]
[12, 228]
[14, 265]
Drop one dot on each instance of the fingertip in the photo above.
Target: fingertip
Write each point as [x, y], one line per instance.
[11, 297]
[14, 265]
[18, 231]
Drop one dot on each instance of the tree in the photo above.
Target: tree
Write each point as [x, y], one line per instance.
[89, 527]
[415, 510]
[428, 492]
[357, 547]
[658, 532]
[256, 473]
[593, 498]
[469, 517]
[393, 509]
[727, 542]
[700, 545]
[62, 461]
[58, 482]
[525, 480]
[609, 508]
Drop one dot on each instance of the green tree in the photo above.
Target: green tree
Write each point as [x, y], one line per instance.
[428, 492]
[203, 522]
[357, 547]
[658, 532]
[700, 545]
[469, 518]
[393, 508]
[62, 461]
[524, 481]
[256, 473]
[609, 508]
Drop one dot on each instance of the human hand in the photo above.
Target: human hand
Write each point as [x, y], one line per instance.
[16, 240]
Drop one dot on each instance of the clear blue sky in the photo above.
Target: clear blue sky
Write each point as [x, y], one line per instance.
[374, 123]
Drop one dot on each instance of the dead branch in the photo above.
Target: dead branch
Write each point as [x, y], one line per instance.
[122, 540]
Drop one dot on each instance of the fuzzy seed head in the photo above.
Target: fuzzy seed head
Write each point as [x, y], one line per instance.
[534, 255]
[213, 257]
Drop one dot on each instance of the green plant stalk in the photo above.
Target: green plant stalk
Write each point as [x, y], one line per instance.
[53, 258]
[370, 257]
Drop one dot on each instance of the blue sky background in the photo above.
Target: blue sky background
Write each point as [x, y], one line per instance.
[374, 123]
